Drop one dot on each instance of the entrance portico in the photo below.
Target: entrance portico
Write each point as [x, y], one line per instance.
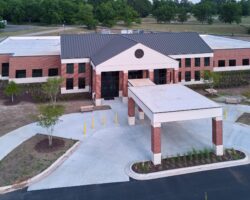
[170, 103]
[138, 61]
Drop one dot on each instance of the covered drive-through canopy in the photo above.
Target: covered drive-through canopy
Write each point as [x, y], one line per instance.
[169, 103]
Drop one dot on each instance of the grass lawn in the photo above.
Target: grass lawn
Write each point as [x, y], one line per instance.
[31, 158]
[244, 119]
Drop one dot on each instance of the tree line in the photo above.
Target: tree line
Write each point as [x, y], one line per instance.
[109, 12]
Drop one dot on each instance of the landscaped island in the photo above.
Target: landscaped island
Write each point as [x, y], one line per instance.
[193, 158]
[31, 158]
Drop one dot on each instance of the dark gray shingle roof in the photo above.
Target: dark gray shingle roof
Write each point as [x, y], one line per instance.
[101, 47]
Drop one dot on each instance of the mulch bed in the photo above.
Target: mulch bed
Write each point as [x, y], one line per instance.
[194, 158]
[31, 158]
[244, 119]
[43, 145]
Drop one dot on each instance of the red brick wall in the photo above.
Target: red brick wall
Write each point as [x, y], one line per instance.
[76, 75]
[3, 59]
[192, 69]
[227, 54]
[33, 62]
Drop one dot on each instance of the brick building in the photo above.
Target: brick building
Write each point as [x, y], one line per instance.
[101, 64]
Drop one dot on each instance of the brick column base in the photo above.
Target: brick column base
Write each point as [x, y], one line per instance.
[141, 113]
[131, 111]
[217, 127]
[176, 77]
[151, 75]
[156, 144]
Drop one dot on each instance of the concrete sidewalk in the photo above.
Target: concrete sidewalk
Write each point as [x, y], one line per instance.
[106, 150]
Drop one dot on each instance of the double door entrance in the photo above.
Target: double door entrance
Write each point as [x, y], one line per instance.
[110, 85]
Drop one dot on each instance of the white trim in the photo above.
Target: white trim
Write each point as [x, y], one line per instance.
[156, 124]
[75, 60]
[192, 82]
[131, 121]
[219, 151]
[141, 115]
[156, 158]
[127, 61]
[30, 80]
[4, 77]
[98, 102]
[75, 90]
[120, 93]
[202, 55]
[187, 115]
[235, 68]
[125, 99]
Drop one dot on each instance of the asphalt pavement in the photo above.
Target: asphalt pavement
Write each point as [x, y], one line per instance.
[223, 184]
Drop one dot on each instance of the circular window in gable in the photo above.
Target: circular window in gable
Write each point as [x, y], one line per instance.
[139, 53]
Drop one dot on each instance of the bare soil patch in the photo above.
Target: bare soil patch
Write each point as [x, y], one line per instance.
[27, 160]
[24, 109]
[244, 119]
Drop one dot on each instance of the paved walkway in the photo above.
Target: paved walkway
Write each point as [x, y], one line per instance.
[106, 150]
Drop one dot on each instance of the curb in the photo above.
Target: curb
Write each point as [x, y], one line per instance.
[42, 175]
[185, 170]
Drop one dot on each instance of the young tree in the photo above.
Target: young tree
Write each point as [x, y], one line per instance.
[48, 117]
[230, 12]
[11, 90]
[211, 78]
[52, 88]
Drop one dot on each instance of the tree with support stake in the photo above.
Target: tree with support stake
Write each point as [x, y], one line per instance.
[48, 117]
[11, 90]
[52, 88]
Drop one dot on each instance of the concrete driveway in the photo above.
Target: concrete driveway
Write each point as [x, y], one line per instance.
[107, 149]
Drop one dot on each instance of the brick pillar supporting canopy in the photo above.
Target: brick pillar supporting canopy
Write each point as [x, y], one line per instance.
[151, 75]
[217, 129]
[156, 144]
[131, 111]
[168, 76]
[175, 76]
[125, 87]
[98, 89]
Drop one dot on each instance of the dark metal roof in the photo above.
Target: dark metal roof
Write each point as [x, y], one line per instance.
[101, 47]
[173, 43]
[115, 46]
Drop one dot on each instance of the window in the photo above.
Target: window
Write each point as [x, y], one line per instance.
[187, 76]
[207, 61]
[197, 76]
[221, 63]
[53, 72]
[37, 73]
[5, 69]
[197, 62]
[69, 84]
[188, 62]
[81, 83]
[135, 74]
[20, 73]
[179, 60]
[70, 68]
[245, 61]
[179, 76]
[81, 68]
[232, 63]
